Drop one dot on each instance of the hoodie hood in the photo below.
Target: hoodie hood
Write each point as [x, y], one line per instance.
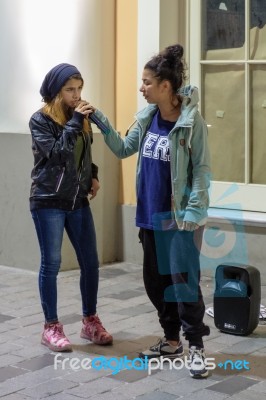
[190, 94]
[189, 106]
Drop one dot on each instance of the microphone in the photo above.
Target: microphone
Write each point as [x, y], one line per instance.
[99, 123]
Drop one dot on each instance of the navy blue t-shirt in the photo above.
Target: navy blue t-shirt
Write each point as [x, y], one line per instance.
[154, 186]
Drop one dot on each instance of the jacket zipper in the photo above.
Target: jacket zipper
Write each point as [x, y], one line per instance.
[60, 180]
[80, 171]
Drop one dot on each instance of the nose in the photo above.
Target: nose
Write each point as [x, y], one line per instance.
[76, 93]
[141, 88]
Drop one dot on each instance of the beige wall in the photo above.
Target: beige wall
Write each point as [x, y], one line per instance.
[126, 87]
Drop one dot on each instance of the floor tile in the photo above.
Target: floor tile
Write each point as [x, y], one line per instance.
[4, 318]
[10, 372]
[125, 295]
[233, 385]
[127, 313]
[36, 363]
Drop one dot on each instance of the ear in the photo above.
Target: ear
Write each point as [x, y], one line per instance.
[166, 85]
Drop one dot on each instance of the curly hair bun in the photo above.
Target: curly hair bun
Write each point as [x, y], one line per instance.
[173, 54]
[170, 65]
[176, 50]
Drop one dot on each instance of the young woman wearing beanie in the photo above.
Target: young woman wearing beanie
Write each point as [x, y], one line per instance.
[173, 176]
[62, 179]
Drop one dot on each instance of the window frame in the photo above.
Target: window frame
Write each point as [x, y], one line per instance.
[229, 195]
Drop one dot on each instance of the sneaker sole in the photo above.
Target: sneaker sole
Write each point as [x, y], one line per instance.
[67, 348]
[170, 356]
[199, 376]
[100, 343]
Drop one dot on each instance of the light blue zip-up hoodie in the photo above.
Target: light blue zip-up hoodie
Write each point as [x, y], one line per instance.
[189, 155]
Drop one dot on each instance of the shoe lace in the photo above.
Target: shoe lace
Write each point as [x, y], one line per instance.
[57, 330]
[157, 346]
[96, 322]
[197, 354]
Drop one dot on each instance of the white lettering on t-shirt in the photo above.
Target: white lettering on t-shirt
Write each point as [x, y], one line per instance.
[156, 147]
[148, 144]
[162, 149]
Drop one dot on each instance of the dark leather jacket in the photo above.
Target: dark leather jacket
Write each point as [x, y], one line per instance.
[55, 175]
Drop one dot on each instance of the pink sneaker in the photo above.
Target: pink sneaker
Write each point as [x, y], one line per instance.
[53, 337]
[93, 330]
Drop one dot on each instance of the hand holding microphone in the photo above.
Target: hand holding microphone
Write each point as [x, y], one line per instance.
[87, 109]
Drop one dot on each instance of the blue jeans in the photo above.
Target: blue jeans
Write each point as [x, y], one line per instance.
[50, 224]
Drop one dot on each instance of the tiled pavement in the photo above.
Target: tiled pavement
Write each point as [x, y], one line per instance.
[27, 369]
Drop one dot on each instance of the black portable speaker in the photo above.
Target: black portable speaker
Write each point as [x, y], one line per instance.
[237, 298]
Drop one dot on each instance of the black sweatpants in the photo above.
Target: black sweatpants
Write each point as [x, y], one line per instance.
[171, 273]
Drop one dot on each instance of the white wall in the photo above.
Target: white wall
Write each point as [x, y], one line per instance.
[35, 36]
[38, 34]
[148, 37]
[160, 23]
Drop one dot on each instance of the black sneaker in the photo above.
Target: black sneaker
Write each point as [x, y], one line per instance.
[197, 363]
[163, 349]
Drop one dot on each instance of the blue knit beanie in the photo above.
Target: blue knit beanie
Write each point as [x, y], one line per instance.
[55, 80]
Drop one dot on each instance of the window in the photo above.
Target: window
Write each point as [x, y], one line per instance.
[228, 63]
